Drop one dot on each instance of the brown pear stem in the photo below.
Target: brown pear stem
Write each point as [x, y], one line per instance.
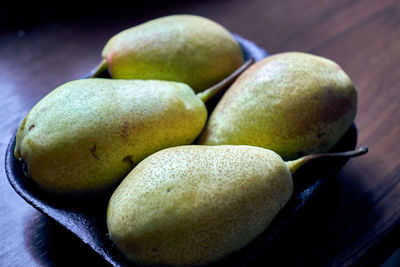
[294, 165]
[99, 69]
[215, 89]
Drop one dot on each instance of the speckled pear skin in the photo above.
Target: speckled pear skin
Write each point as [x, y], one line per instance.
[292, 103]
[85, 135]
[183, 48]
[193, 205]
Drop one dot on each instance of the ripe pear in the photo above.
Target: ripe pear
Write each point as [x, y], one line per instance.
[194, 205]
[293, 103]
[182, 48]
[85, 135]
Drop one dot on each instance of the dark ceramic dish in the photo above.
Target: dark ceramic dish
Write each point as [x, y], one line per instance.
[87, 219]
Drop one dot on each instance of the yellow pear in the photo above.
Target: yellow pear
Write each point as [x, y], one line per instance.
[293, 103]
[85, 135]
[194, 205]
[182, 48]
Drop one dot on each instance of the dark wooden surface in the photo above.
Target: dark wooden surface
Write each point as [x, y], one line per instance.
[355, 220]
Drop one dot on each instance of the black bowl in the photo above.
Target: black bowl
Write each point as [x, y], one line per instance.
[87, 219]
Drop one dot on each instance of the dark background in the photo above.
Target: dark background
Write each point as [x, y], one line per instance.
[355, 220]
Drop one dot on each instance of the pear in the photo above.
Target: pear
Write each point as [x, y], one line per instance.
[292, 103]
[194, 205]
[182, 48]
[86, 135]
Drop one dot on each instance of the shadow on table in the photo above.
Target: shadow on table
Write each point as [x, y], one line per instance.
[306, 239]
[22, 14]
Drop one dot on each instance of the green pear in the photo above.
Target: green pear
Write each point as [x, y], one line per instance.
[182, 48]
[86, 135]
[293, 103]
[194, 205]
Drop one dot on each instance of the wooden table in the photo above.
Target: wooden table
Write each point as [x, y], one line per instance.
[356, 219]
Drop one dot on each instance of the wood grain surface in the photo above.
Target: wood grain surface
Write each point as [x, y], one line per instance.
[355, 221]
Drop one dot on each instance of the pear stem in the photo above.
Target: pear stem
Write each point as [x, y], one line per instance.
[294, 165]
[99, 69]
[215, 89]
